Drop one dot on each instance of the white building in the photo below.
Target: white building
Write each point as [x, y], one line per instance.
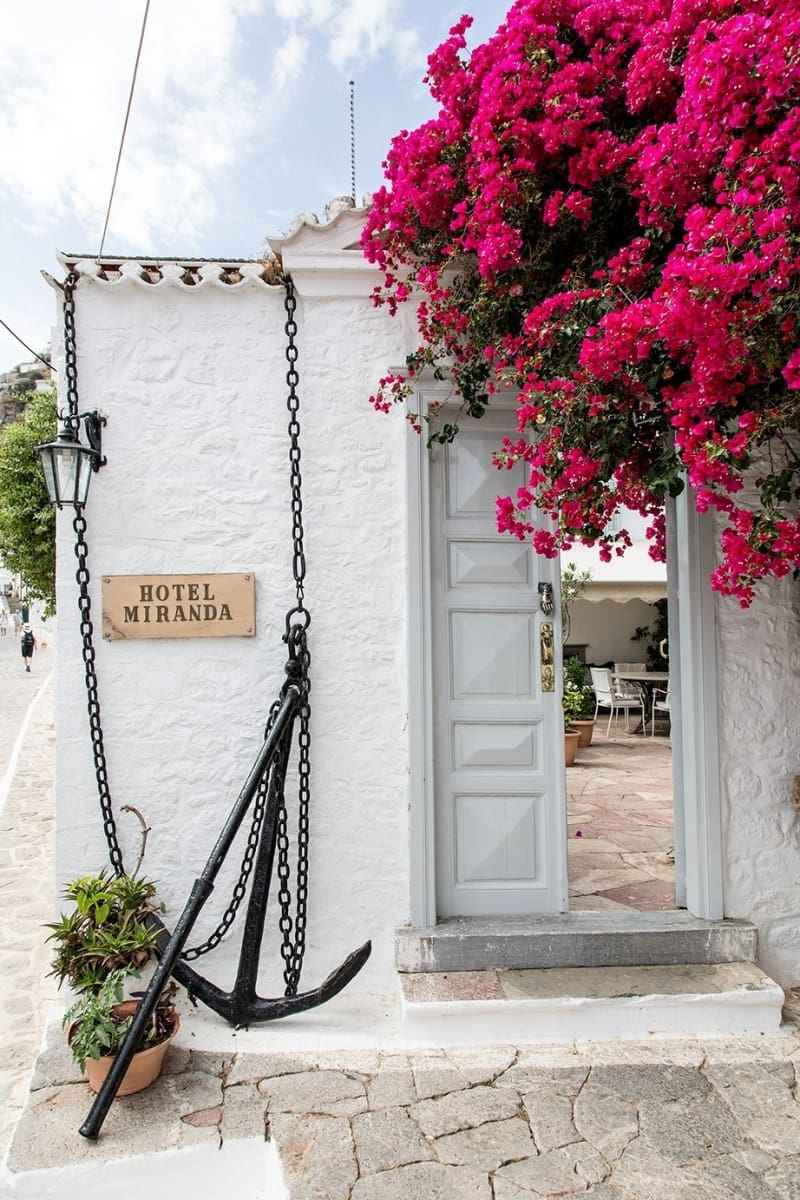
[438, 782]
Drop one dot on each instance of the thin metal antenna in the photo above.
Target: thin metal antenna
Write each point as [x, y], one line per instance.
[353, 140]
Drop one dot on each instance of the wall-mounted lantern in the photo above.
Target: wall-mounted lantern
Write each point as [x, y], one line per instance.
[69, 465]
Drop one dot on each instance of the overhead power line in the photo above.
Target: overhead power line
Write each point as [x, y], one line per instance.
[25, 344]
[124, 130]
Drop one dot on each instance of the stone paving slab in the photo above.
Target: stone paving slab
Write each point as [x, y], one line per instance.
[713, 1121]
[26, 887]
[689, 1119]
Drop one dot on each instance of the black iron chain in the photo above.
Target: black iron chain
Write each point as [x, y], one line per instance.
[298, 619]
[299, 614]
[71, 420]
[293, 929]
[71, 417]
[95, 726]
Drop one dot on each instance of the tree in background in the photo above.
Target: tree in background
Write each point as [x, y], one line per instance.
[27, 518]
[605, 217]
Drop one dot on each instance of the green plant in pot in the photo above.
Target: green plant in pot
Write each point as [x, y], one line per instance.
[107, 938]
[571, 737]
[578, 700]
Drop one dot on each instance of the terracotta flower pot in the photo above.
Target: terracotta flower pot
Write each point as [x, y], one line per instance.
[144, 1068]
[570, 747]
[584, 729]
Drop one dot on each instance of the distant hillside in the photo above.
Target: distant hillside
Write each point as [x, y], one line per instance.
[14, 384]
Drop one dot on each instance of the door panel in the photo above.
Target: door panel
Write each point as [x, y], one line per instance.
[500, 810]
[491, 654]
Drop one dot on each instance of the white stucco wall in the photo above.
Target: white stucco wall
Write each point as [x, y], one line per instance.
[192, 381]
[759, 672]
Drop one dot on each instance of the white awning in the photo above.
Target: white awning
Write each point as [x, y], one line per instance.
[649, 591]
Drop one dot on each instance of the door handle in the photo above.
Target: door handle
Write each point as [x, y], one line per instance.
[546, 598]
[547, 673]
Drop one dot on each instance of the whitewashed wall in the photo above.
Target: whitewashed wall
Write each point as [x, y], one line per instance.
[759, 708]
[192, 380]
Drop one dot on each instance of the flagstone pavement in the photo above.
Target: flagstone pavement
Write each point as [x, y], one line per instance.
[710, 1119]
[619, 812]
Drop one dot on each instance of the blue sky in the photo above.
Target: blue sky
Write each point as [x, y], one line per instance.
[240, 121]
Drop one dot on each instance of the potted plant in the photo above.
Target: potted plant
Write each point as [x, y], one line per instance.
[571, 740]
[578, 699]
[107, 938]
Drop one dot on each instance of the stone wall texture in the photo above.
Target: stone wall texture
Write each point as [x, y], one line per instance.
[759, 678]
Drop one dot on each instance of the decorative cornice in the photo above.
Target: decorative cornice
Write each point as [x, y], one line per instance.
[188, 274]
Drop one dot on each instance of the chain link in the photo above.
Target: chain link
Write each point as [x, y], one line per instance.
[71, 420]
[90, 674]
[293, 929]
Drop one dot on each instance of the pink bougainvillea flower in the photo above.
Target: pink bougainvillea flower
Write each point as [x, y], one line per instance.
[604, 216]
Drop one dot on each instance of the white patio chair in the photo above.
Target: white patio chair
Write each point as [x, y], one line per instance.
[661, 706]
[626, 688]
[607, 695]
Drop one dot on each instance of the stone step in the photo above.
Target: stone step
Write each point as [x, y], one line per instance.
[585, 939]
[567, 1004]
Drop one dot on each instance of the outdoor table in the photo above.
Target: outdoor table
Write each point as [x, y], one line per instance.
[644, 682]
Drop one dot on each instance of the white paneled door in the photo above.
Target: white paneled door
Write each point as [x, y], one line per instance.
[499, 794]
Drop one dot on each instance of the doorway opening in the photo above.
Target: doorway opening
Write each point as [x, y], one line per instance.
[461, 654]
[620, 800]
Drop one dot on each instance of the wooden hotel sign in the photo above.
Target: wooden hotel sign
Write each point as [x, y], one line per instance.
[178, 606]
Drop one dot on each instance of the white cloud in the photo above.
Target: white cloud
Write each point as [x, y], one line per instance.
[356, 31]
[290, 59]
[65, 73]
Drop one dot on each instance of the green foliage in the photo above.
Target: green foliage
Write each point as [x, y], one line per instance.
[577, 698]
[108, 930]
[27, 519]
[573, 586]
[99, 1021]
[106, 938]
[654, 635]
[96, 1031]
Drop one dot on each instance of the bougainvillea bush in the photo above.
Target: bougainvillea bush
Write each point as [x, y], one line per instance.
[605, 217]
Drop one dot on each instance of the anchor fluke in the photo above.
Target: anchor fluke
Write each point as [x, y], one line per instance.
[243, 1010]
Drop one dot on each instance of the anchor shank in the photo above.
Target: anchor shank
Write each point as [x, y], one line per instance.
[285, 716]
[201, 890]
[203, 886]
[244, 990]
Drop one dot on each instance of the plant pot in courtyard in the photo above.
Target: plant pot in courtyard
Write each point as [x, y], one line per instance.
[145, 1066]
[585, 730]
[571, 740]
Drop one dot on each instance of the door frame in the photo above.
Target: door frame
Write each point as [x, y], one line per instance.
[697, 802]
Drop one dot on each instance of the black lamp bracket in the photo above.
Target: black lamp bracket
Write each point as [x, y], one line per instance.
[93, 423]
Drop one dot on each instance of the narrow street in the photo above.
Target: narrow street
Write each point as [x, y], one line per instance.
[27, 760]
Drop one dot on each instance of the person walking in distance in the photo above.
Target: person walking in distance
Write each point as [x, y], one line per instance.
[27, 645]
[3, 622]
